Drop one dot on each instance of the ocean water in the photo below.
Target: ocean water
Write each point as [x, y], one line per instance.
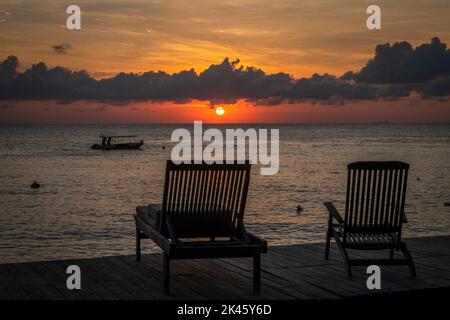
[85, 204]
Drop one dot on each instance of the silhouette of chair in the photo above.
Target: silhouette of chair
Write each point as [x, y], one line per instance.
[202, 216]
[374, 213]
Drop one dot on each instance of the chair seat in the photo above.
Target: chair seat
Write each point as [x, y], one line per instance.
[218, 249]
[366, 239]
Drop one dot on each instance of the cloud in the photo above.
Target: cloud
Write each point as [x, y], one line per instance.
[325, 87]
[401, 63]
[8, 69]
[396, 71]
[61, 48]
[438, 87]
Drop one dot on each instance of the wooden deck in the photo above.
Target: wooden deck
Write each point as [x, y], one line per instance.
[288, 272]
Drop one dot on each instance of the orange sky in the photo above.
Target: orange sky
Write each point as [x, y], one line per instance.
[296, 37]
[404, 110]
[291, 36]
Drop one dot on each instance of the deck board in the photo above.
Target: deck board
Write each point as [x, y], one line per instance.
[288, 272]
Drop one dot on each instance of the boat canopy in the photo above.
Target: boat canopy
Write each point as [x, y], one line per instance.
[119, 142]
[132, 136]
[108, 140]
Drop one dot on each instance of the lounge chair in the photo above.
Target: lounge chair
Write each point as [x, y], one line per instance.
[201, 216]
[374, 213]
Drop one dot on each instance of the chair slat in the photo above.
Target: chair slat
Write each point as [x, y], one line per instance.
[368, 199]
[388, 199]
[398, 199]
[224, 200]
[393, 197]
[237, 198]
[194, 190]
[402, 204]
[357, 201]
[378, 196]
[350, 210]
[230, 205]
[206, 200]
[215, 211]
[383, 199]
[372, 197]
[170, 190]
[375, 197]
[347, 197]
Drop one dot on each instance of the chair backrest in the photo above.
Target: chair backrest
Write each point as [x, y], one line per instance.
[206, 200]
[375, 199]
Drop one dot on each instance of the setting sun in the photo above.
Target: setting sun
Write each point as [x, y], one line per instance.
[220, 111]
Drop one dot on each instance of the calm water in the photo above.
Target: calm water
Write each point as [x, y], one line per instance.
[85, 205]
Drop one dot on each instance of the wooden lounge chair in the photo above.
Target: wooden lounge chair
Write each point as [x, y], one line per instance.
[374, 213]
[202, 216]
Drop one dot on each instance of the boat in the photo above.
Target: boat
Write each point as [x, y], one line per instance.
[118, 143]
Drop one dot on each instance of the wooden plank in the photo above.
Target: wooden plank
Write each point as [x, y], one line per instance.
[285, 283]
[212, 274]
[210, 287]
[103, 272]
[288, 272]
[241, 280]
[60, 268]
[36, 284]
[153, 269]
[14, 285]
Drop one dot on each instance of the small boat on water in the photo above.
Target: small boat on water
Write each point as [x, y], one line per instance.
[118, 142]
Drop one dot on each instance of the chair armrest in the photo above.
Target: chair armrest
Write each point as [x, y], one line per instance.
[170, 228]
[404, 218]
[333, 212]
[243, 231]
[152, 233]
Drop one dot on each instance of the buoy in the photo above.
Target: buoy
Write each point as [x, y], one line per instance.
[299, 209]
[35, 185]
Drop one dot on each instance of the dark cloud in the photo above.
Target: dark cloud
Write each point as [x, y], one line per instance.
[61, 48]
[39, 83]
[395, 71]
[401, 63]
[325, 87]
[8, 70]
[438, 87]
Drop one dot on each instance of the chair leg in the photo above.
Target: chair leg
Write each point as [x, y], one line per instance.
[348, 265]
[344, 253]
[407, 254]
[391, 254]
[138, 244]
[328, 239]
[166, 271]
[257, 273]
[327, 246]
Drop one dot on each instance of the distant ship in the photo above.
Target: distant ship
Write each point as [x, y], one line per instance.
[118, 142]
[380, 122]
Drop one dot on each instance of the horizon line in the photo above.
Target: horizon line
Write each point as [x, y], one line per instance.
[232, 123]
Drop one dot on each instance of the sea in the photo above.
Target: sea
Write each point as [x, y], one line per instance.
[84, 207]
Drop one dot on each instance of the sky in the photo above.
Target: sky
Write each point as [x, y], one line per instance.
[287, 40]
